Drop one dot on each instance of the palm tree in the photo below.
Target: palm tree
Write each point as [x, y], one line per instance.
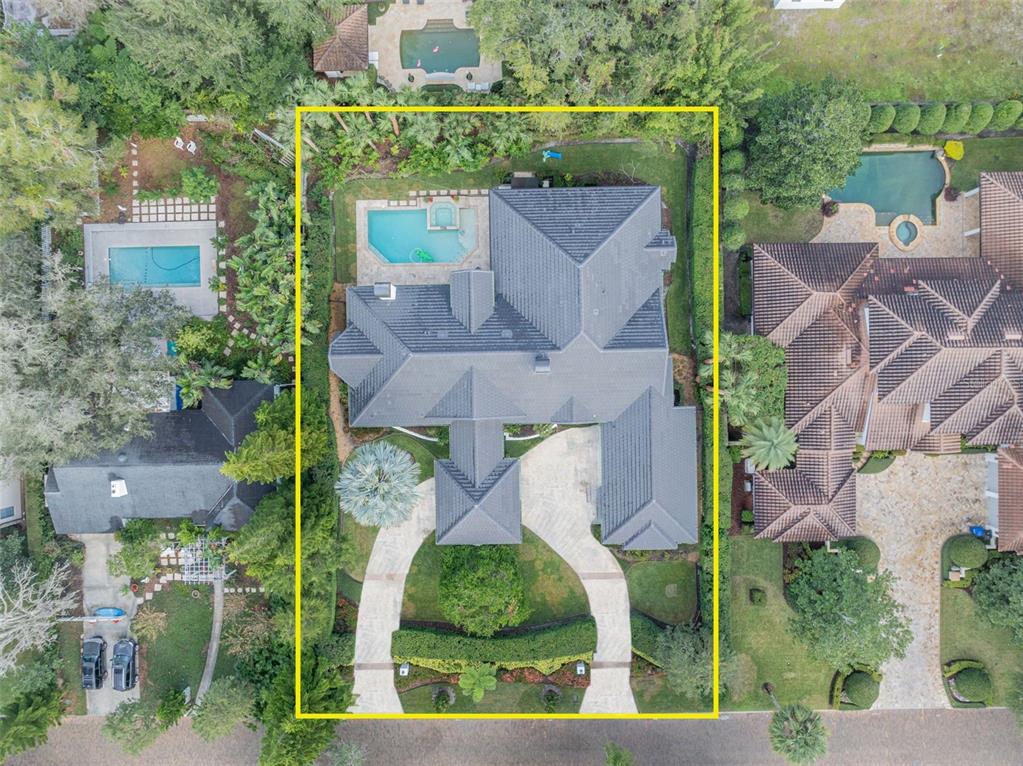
[477, 681]
[194, 377]
[798, 734]
[378, 485]
[769, 444]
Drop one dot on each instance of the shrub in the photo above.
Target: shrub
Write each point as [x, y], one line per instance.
[140, 550]
[861, 689]
[866, 551]
[955, 666]
[955, 150]
[203, 341]
[227, 703]
[967, 551]
[736, 209]
[747, 517]
[973, 684]
[378, 485]
[644, 637]
[757, 596]
[733, 161]
[197, 184]
[956, 117]
[481, 588]
[731, 137]
[734, 182]
[881, 118]
[932, 117]
[733, 237]
[980, 116]
[829, 208]
[907, 117]
[170, 708]
[1005, 115]
[545, 649]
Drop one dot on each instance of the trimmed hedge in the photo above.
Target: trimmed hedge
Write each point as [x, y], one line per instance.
[956, 117]
[734, 182]
[644, 637]
[733, 161]
[974, 684]
[731, 137]
[967, 551]
[545, 649]
[932, 117]
[861, 689]
[881, 118]
[980, 116]
[907, 117]
[736, 208]
[733, 236]
[1005, 115]
[956, 666]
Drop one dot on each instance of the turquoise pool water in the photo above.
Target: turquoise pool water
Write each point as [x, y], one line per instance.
[906, 232]
[442, 214]
[894, 183]
[439, 47]
[167, 266]
[400, 236]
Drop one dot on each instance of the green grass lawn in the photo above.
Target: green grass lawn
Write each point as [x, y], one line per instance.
[653, 696]
[917, 49]
[506, 698]
[176, 659]
[966, 635]
[767, 223]
[424, 452]
[69, 653]
[553, 591]
[986, 154]
[761, 632]
[665, 590]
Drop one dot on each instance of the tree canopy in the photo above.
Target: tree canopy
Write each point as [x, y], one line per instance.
[481, 588]
[998, 593]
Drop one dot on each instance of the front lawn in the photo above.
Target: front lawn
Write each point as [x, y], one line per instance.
[767, 223]
[553, 591]
[652, 695]
[664, 590]
[176, 659]
[506, 698]
[424, 452]
[761, 631]
[986, 154]
[965, 634]
[69, 665]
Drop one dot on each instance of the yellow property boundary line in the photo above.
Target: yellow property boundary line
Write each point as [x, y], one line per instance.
[714, 713]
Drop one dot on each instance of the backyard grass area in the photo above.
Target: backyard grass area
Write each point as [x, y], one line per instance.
[176, 659]
[553, 591]
[911, 49]
[965, 634]
[767, 223]
[664, 590]
[986, 154]
[506, 698]
[424, 452]
[761, 631]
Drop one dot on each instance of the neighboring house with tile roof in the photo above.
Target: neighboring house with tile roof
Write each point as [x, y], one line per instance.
[890, 354]
[346, 51]
[1005, 498]
[568, 327]
[174, 473]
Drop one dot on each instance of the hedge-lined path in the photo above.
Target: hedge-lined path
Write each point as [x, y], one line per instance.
[909, 510]
[558, 483]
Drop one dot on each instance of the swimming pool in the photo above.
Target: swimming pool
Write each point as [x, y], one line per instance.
[439, 47]
[164, 266]
[443, 215]
[895, 183]
[401, 236]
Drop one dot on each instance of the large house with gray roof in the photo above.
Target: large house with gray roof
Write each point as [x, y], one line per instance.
[172, 473]
[566, 327]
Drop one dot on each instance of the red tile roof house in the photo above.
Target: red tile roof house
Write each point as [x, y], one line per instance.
[346, 51]
[893, 354]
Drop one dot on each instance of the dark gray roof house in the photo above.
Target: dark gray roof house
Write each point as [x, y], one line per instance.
[175, 473]
[568, 327]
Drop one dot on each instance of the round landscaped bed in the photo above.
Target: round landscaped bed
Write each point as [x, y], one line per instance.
[966, 551]
[857, 689]
[968, 683]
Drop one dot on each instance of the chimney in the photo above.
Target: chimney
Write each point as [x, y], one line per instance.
[384, 291]
[541, 363]
[472, 297]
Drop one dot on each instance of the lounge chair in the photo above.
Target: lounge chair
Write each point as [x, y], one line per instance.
[179, 143]
[191, 147]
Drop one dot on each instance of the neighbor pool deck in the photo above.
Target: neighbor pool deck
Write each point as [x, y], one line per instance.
[200, 299]
[385, 41]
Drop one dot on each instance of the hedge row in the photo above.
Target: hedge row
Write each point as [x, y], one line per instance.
[931, 119]
[545, 649]
[644, 637]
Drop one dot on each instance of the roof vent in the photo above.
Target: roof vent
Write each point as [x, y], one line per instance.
[385, 291]
[1013, 335]
[541, 363]
[956, 335]
[122, 457]
[118, 488]
[506, 333]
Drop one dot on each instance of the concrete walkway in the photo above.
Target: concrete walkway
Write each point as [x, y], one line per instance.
[214, 645]
[909, 510]
[558, 480]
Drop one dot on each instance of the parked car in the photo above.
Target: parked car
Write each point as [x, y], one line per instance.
[94, 662]
[125, 665]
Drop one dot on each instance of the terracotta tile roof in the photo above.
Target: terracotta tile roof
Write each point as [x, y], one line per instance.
[1010, 500]
[347, 49]
[1001, 224]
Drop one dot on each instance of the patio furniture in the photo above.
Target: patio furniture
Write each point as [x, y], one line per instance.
[179, 143]
[191, 147]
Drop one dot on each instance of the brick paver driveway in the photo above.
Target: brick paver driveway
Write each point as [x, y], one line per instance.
[909, 510]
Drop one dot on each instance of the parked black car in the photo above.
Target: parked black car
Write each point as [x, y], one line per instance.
[125, 665]
[94, 662]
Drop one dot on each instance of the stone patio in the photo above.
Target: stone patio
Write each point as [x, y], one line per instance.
[909, 510]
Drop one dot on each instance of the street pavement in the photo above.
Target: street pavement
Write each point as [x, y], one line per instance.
[875, 738]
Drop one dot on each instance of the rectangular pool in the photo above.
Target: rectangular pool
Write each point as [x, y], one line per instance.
[440, 46]
[158, 266]
[894, 184]
[401, 236]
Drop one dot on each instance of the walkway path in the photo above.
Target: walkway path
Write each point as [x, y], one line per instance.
[909, 510]
[214, 645]
[558, 480]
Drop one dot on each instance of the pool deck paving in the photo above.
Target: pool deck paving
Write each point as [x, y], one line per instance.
[909, 510]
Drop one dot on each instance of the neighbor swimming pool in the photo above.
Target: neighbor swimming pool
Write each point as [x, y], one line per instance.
[439, 47]
[164, 266]
[895, 183]
[401, 236]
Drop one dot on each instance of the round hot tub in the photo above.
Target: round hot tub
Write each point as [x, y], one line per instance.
[906, 232]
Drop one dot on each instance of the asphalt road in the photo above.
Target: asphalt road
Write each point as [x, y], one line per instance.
[883, 738]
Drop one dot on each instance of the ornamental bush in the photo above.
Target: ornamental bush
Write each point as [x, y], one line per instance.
[954, 150]
[861, 689]
[907, 117]
[733, 236]
[200, 340]
[378, 485]
[956, 117]
[932, 117]
[1005, 115]
[481, 588]
[197, 184]
[733, 161]
[757, 596]
[736, 209]
[967, 551]
[734, 182]
[731, 137]
[973, 684]
[980, 116]
[881, 118]
[644, 637]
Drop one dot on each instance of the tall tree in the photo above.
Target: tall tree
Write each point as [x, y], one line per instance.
[769, 444]
[48, 158]
[843, 616]
[798, 735]
[25, 720]
[227, 703]
[998, 592]
[77, 369]
[29, 608]
[808, 141]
